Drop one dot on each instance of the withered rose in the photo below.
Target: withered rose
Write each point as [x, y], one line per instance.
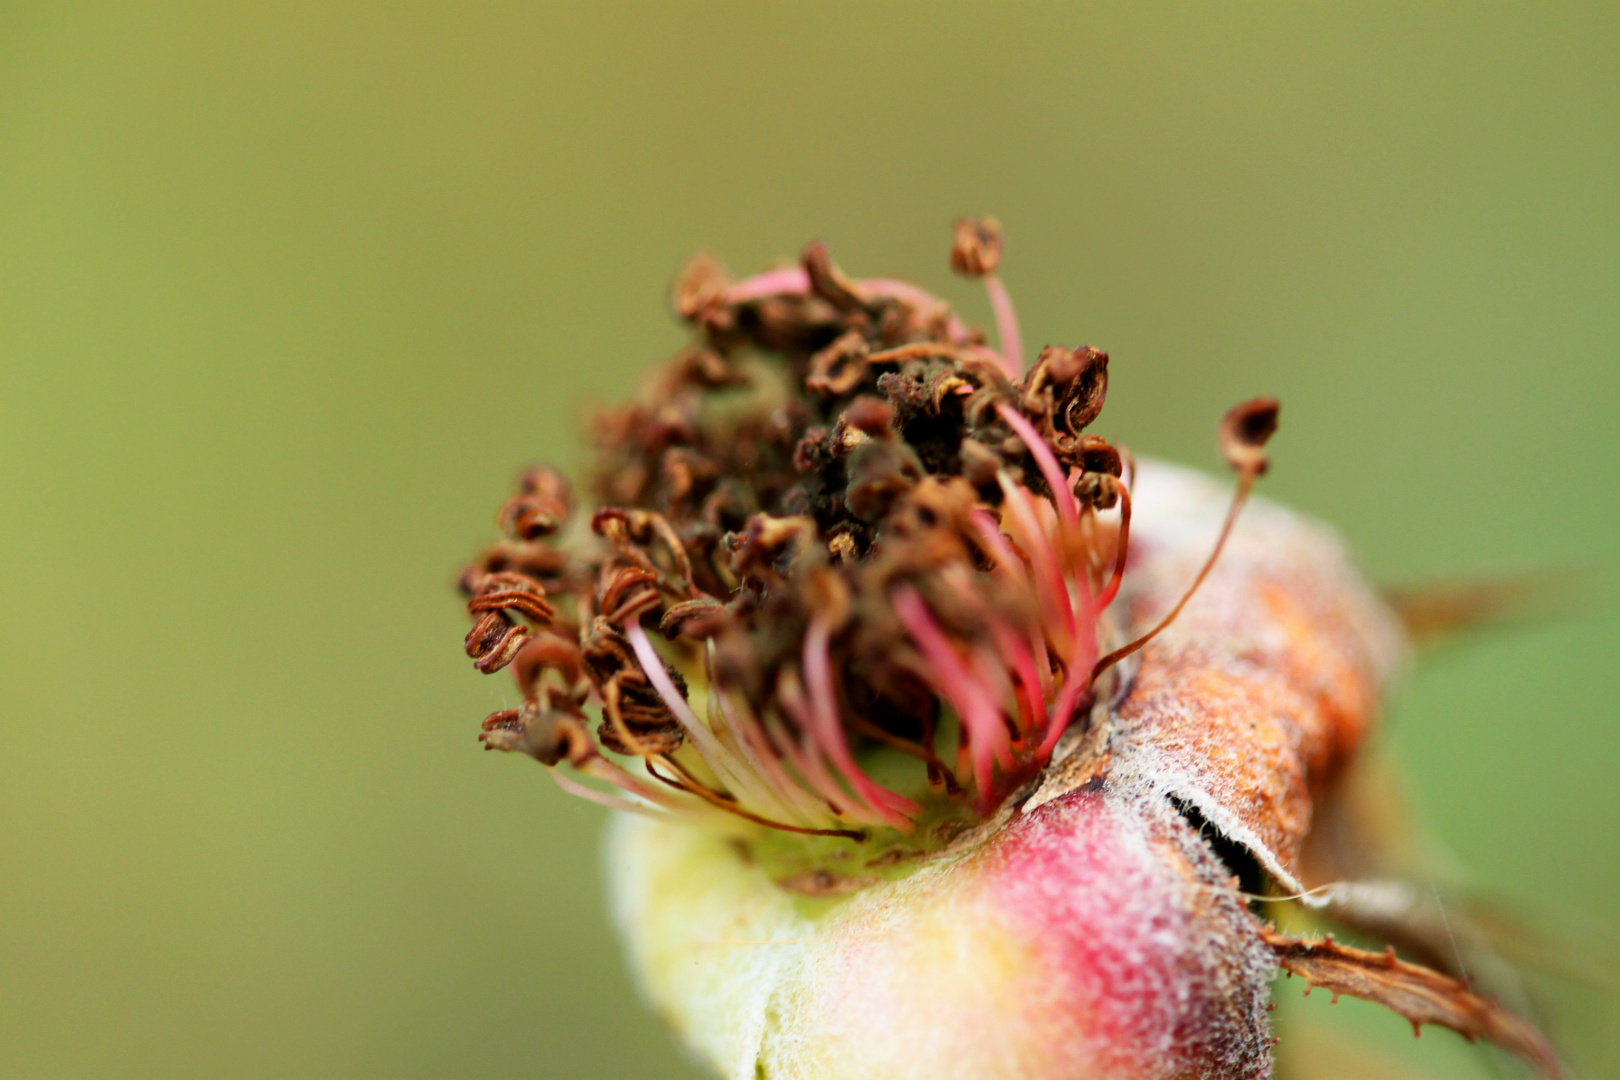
[951, 740]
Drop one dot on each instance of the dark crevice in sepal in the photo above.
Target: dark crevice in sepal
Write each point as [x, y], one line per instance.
[1252, 877]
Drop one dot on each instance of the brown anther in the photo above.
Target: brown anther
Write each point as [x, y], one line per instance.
[766, 540]
[980, 464]
[946, 504]
[538, 561]
[871, 416]
[547, 481]
[976, 247]
[813, 450]
[632, 709]
[841, 547]
[1098, 490]
[493, 641]
[628, 593]
[612, 523]
[828, 281]
[684, 470]
[846, 440]
[635, 740]
[631, 531]
[627, 531]
[826, 594]
[1063, 393]
[548, 735]
[545, 651]
[696, 620]
[840, 367]
[700, 288]
[540, 507]
[511, 592]
[1244, 432]
[879, 474]
[700, 366]
[1098, 456]
[791, 323]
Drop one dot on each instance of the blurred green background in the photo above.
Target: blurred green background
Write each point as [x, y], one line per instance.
[288, 291]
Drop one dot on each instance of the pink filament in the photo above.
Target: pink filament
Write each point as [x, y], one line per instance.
[1078, 676]
[794, 281]
[602, 798]
[1031, 704]
[725, 764]
[896, 809]
[990, 677]
[1045, 566]
[790, 281]
[809, 763]
[981, 718]
[1008, 561]
[1062, 494]
[995, 543]
[1012, 343]
[756, 746]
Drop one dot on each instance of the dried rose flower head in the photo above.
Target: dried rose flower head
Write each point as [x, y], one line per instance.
[950, 748]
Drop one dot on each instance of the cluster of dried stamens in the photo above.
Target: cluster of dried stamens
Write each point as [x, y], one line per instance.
[855, 525]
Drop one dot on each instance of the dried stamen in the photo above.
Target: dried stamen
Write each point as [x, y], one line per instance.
[1243, 438]
[893, 523]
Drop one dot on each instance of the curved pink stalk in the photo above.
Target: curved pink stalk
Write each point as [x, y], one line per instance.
[1008, 562]
[1012, 342]
[1122, 547]
[1077, 679]
[808, 759]
[1048, 572]
[989, 530]
[1062, 494]
[602, 798]
[989, 676]
[981, 719]
[1017, 654]
[726, 765]
[790, 281]
[755, 744]
[793, 281]
[600, 768]
[1063, 711]
[896, 808]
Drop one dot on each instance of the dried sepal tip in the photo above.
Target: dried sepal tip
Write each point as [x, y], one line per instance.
[1420, 994]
